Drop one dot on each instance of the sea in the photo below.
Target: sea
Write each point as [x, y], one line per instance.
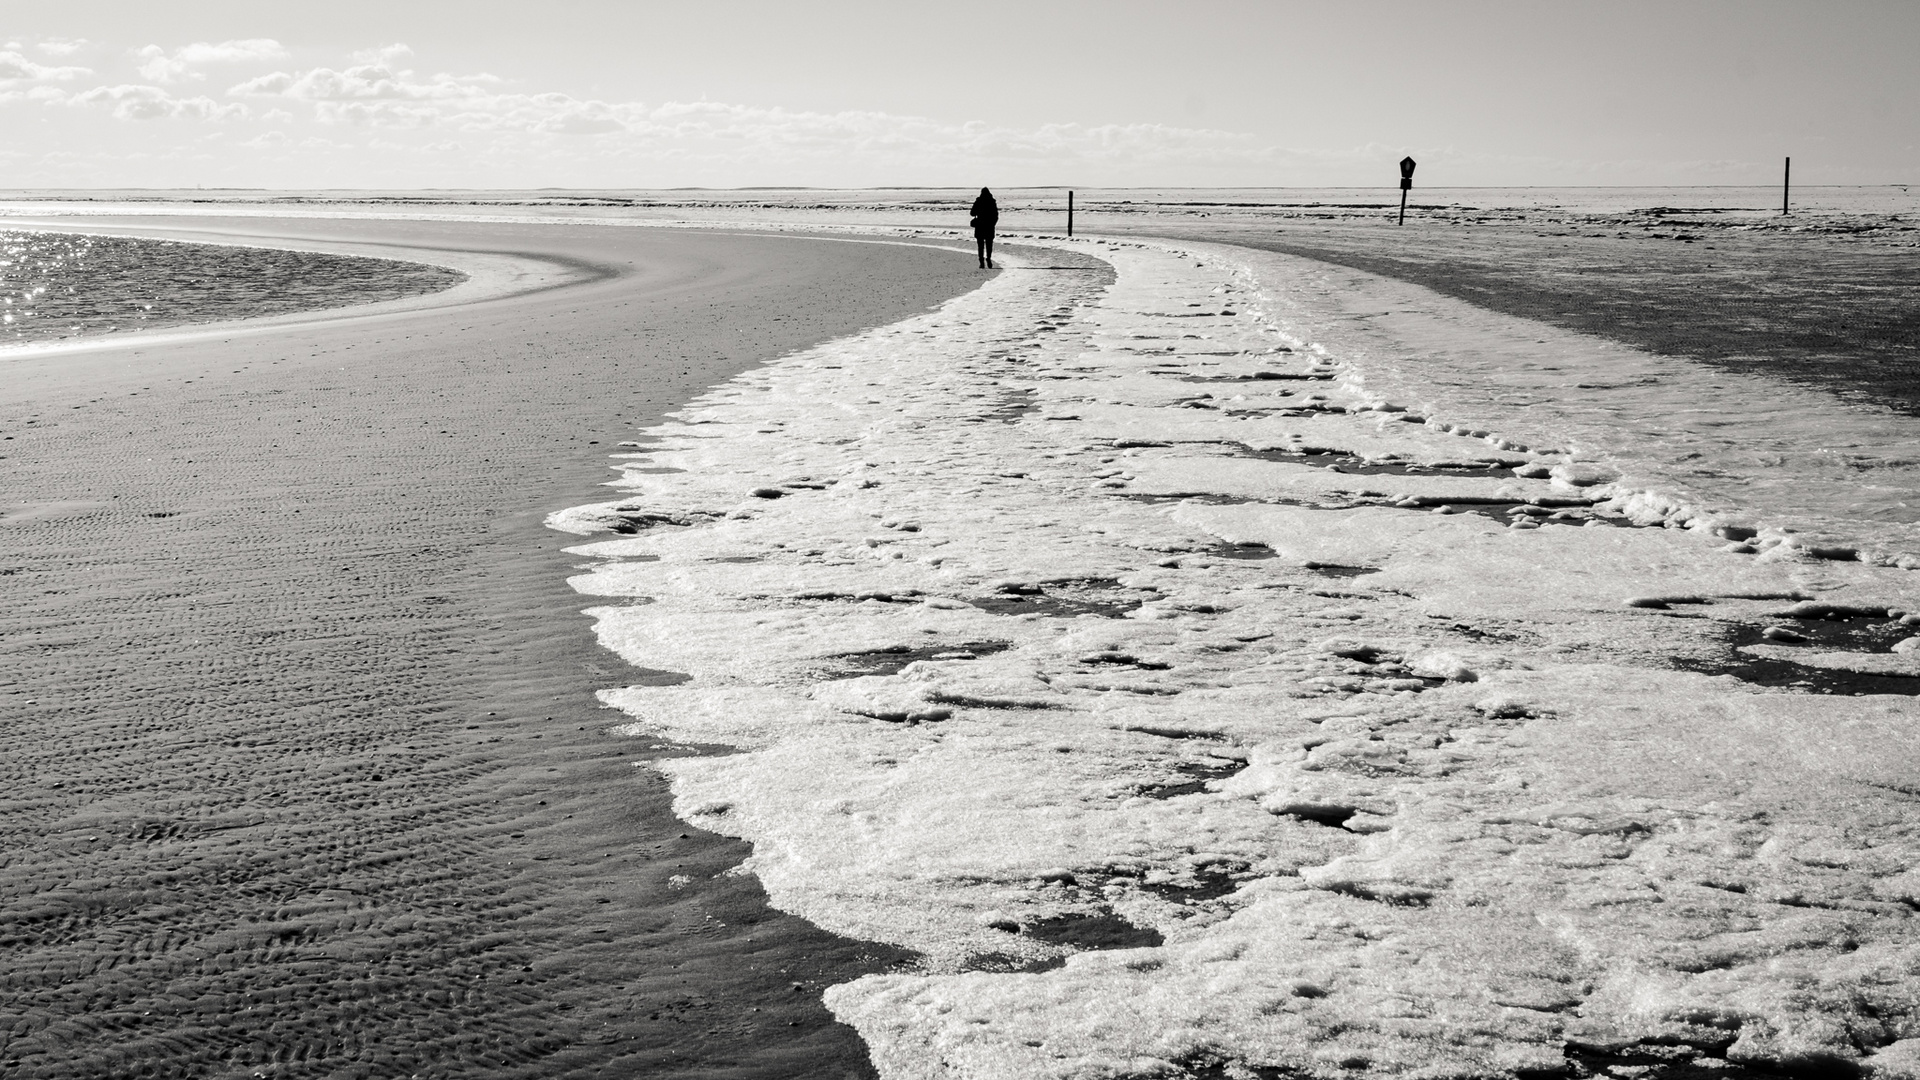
[56, 286]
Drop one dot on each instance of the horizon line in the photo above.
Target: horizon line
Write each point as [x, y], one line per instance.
[968, 187]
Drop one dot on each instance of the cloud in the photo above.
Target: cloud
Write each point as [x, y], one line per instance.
[469, 120]
[575, 123]
[157, 67]
[132, 102]
[161, 66]
[379, 95]
[59, 46]
[16, 69]
[385, 55]
[371, 81]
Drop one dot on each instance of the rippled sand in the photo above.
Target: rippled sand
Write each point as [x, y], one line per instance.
[1057, 647]
[304, 775]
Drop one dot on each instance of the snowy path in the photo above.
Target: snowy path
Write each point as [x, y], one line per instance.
[1058, 652]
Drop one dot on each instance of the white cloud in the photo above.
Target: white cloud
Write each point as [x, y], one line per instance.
[132, 102]
[16, 69]
[384, 56]
[577, 123]
[372, 81]
[375, 94]
[157, 66]
[382, 110]
[58, 46]
[233, 52]
[163, 67]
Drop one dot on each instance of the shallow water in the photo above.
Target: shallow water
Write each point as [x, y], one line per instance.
[64, 285]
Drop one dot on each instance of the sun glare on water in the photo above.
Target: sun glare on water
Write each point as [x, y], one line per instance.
[65, 285]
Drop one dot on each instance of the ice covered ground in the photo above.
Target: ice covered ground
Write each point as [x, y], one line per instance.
[1153, 650]
[1739, 446]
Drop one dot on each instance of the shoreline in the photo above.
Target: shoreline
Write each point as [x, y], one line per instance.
[1799, 305]
[1087, 657]
[486, 276]
[490, 275]
[1671, 439]
[1174, 749]
[298, 682]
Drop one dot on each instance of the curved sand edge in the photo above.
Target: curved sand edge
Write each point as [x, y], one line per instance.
[488, 276]
[1063, 658]
[297, 688]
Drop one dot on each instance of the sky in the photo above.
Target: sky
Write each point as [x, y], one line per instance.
[736, 93]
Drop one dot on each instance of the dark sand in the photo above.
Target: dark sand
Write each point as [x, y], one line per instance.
[1834, 305]
[304, 776]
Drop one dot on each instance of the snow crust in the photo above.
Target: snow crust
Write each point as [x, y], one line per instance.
[1034, 616]
[1697, 440]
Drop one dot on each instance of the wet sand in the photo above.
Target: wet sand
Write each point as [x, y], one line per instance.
[1825, 297]
[305, 775]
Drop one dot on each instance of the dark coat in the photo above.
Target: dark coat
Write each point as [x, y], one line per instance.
[986, 215]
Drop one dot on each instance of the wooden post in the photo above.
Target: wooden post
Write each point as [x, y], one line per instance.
[1069, 213]
[1786, 188]
[1403, 207]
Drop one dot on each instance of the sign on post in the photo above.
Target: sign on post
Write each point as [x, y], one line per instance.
[1406, 185]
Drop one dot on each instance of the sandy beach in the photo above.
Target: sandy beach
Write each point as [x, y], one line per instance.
[305, 773]
[1266, 541]
[1164, 658]
[1195, 701]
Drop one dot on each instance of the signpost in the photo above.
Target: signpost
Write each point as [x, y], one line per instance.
[1786, 187]
[1406, 185]
[1069, 213]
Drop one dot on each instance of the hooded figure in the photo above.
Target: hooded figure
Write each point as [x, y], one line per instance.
[986, 215]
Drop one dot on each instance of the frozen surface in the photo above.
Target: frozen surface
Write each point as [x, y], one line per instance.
[1721, 442]
[1204, 688]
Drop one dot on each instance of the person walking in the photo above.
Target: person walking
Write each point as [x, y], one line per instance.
[986, 215]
